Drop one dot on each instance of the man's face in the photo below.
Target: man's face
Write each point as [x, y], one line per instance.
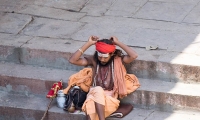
[104, 58]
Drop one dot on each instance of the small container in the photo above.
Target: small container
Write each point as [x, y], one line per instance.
[60, 99]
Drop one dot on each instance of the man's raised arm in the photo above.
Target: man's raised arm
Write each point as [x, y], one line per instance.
[76, 57]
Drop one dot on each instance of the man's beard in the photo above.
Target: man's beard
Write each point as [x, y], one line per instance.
[105, 64]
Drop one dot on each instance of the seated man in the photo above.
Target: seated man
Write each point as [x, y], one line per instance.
[109, 75]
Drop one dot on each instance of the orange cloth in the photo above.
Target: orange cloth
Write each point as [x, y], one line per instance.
[123, 83]
[83, 79]
[98, 95]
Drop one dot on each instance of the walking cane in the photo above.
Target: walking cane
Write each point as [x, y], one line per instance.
[47, 109]
[52, 94]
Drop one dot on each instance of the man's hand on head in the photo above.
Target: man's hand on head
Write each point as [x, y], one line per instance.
[114, 40]
[93, 39]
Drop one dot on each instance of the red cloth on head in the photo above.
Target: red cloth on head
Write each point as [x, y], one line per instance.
[104, 48]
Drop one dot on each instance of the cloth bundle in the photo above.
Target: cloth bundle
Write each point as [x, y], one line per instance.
[54, 89]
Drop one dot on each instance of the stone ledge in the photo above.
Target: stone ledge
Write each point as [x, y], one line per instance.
[33, 107]
[54, 53]
[165, 96]
[26, 79]
[154, 94]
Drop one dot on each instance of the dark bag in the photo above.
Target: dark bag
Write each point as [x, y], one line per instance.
[79, 97]
[74, 99]
[68, 106]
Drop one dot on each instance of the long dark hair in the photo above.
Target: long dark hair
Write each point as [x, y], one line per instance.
[117, 52]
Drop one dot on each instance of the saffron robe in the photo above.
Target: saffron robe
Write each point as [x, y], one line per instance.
[123, 84]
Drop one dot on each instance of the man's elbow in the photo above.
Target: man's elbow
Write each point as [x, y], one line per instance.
[71, 61]
[134, 56]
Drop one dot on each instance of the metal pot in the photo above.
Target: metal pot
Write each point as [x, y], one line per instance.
[60, 99]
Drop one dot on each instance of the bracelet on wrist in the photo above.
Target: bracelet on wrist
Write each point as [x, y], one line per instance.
[81, 51]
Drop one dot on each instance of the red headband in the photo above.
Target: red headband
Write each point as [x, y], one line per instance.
[104, 48]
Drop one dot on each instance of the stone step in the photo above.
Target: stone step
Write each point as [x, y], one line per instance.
[54, 53]
[19, 107]
[31, 107]
[165, 96]
[26, 79]
[153, 94]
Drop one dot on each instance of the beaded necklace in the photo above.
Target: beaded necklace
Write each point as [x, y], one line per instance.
[97, 70]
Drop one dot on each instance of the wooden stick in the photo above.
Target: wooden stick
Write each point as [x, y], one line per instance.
[47, 109]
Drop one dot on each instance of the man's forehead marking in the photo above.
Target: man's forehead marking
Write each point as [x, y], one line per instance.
[103, 54]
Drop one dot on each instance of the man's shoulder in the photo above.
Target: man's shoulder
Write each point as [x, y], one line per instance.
[90, 59]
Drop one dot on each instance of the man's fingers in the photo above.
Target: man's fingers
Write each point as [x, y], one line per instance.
[95, 38]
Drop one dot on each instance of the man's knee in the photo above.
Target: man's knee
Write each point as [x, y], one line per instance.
[98, 89]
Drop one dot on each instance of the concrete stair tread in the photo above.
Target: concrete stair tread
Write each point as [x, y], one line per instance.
[156, 94]
[27, 79]
[37, 105]
[48, 74]
[54, 53]
[65, 45]
[28, 71]
[170, 87]
[23, 101]
[34, 103]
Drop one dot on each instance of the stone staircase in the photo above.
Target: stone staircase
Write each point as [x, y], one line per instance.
[37, 37]
[27, 73]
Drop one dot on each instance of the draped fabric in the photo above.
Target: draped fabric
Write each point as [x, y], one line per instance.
[98, 95]
[123, 84]
[83, 79]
